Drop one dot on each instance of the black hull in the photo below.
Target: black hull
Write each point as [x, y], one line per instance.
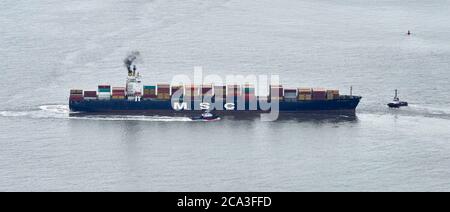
[345, 105]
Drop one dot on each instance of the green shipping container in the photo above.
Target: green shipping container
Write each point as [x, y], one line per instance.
[149, 87]
[248, 90]
[104, 90]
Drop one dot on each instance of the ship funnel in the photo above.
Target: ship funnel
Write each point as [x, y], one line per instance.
[130, 60]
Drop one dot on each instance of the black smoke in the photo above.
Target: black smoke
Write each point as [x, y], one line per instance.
[131, 59]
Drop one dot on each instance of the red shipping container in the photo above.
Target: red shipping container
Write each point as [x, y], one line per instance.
[176, 88]
[149, 96]
[207, 91]
[163, 90]
[76, 98]
[90, 93]
[319, 94]
[233, 90]
[250, 97]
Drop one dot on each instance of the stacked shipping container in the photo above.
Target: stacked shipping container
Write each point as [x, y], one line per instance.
[76, 95]
[290, 95]
[332, 94]
[276, 92]
[118, 93]
[149, 92]
[207, 91]
[233, 91]
[304, 94]
[220, 92]
[192, 92]
[319, 94]
[249, 92]
[104, 92]
[177, 88]
[163, 91]
[90, 95]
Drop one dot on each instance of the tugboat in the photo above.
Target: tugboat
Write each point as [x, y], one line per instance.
[396, 103]
[206, 116]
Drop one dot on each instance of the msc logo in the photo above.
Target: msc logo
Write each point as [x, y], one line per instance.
[203, 106]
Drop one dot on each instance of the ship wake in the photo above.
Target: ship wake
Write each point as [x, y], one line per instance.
[63, 112]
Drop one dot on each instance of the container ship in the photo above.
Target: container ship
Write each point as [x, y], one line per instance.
[163, 98]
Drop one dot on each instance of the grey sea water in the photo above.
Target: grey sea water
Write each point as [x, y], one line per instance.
[48, 47]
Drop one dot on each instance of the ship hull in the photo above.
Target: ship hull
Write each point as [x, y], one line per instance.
[163, 107]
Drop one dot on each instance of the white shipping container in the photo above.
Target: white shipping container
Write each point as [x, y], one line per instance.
[104, 97]
[293, 95]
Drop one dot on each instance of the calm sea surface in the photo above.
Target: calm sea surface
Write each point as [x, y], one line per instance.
[48, 47]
